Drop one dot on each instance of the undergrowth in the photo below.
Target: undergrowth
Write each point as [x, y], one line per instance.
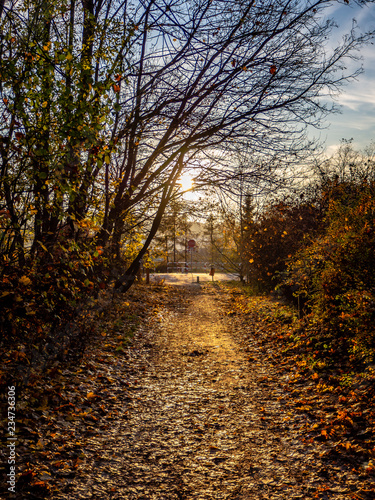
[339, 389]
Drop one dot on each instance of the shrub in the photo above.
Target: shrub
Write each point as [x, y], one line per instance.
[283, 228]
[336, 271]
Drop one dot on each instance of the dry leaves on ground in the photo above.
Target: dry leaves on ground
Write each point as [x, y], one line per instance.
[193, 393]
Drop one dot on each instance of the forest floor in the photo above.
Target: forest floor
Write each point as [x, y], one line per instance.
[191, 393]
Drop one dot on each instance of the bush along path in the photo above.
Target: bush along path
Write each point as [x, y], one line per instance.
[198, 392]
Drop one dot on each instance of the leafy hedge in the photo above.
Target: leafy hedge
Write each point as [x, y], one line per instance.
[42, 304]
[318, 250]
[283, 228]
[336, 273]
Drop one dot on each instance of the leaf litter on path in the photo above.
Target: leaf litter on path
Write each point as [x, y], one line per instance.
[199, 405]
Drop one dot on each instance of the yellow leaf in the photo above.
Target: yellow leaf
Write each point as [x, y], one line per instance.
[39, 445]
[25, 281]
[43, 246]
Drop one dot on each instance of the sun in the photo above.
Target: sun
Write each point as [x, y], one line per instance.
[186, 182]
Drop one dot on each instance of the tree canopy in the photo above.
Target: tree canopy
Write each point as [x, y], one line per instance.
[106, 102]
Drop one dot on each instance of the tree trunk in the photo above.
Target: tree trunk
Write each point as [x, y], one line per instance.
[127, 279]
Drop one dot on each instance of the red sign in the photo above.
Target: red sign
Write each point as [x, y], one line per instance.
[191, 243]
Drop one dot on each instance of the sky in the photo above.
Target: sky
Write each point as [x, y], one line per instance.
[357, 100]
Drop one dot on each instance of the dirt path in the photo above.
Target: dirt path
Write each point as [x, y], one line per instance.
[202, 421]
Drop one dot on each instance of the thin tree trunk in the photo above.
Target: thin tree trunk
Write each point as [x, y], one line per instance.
[127, 279]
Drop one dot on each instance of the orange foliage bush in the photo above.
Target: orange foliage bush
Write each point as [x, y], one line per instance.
[336, 271]
[283, 228]
[41, 303]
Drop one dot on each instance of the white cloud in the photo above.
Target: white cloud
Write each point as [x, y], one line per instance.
[331, 150]
[357, 100]
[365, 17]
[359, 97]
